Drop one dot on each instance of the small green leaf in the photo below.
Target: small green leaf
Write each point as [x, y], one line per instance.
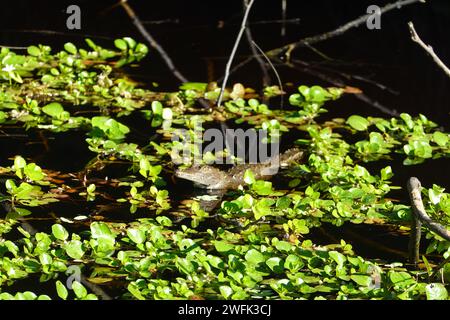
[134, 290]
[293, 263]
[435, 196]
[34, 172]
[275, 264]
[249, 177]
[358, 123]
[197, 86]
[157, 107]
[91, 188]
[19, 163]
[362, 280]
[436, 291]
[120, 44]
[33, 51]
[136, 235]
[440, 138]
[61, 290]
[225, 291]
[338, 257]
[254, 256]
[79, 289]
[45, 259]
[53, 109]
[222, 246]
[74, 249]
[59, 232]
[70, 48]
[386, 173]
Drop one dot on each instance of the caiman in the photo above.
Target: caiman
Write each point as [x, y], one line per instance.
[212, 178]
[217, 181]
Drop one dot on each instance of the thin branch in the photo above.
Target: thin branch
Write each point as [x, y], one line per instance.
[350, 76]
[262, 64]
[340, 30]
[13, 47]
[274, 70]
[337, 82]
[166, 21]
[282, 21]
[429, 49]
[238, 66]
[377, 105]
[233, 52]
[53, 32]
[138, 24]
[419, 211]
[318, 52]
[416, 224]
[275, 21]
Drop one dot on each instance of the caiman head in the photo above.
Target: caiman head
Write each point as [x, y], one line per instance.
[290, 156]
[282, 160]
[206, 176]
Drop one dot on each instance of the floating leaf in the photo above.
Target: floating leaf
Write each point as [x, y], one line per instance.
[61, 290]
[59, 232]
[358, 123]
[436, 291]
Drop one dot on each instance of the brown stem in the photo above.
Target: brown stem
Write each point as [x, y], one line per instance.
[137, 22]
[419, 217]
[429, 49]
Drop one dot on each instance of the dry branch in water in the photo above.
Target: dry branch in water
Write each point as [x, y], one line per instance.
[419, 217]
[259, 59]
[340, 30]
[429, 49]
[137, 22]
[233, 52]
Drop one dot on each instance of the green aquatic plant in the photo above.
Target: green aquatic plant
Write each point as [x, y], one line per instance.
[254, 243]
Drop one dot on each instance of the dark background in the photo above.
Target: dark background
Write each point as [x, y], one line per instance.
[199, 48]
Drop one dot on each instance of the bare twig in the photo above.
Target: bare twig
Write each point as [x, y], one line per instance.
[13, 47]
[137, 22]
[416, 199]
[318, 52]
[53, 32]
[258, 22]
[282, 21]
[233, 52]
[336, 82]
[262, 64]
[166, 21]
[377, 105]
[340, 30]
[429, 49]
[280, 84]
[350, 76]
[237, 67]
[416, 224]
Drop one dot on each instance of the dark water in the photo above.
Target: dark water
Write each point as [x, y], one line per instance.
[199, 35]
[190, 33]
